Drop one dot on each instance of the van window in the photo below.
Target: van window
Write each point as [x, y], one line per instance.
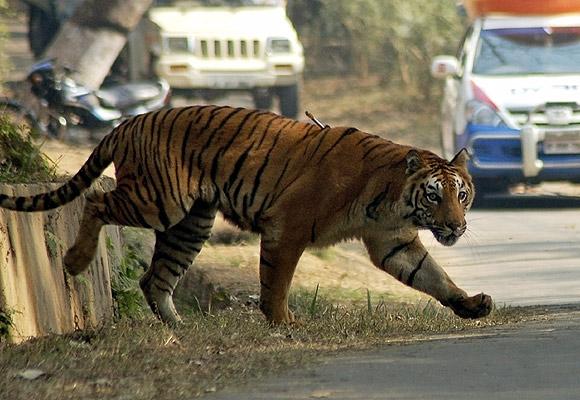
[518, 51]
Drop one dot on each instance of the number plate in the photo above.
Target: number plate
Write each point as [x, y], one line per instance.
[562, 142]
[229, 82]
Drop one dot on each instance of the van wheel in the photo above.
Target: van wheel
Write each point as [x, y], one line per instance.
[484, 187]
[289, 100]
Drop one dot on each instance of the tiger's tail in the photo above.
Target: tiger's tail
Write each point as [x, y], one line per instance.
[99, 159]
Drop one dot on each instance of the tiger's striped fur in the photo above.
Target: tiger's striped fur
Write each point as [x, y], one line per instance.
[294, 183]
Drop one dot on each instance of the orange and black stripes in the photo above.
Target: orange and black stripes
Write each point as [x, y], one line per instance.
[411, 277]
[242, 160]
[395, 250]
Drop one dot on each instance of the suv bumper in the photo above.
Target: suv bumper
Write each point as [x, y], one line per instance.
[515, 155]
[229, 76]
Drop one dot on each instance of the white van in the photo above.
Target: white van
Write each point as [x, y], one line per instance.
[212, 47]
[512, 97]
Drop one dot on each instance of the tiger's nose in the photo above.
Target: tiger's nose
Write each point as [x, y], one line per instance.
[458, 228]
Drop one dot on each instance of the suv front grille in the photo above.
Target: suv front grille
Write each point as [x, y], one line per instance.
[540, 119]
[219, 49]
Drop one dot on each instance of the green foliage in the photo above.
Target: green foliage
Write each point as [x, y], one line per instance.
[5, 324]
[393, 38]
[21, 161]
[303, 302]
[52, 241]
[126, 272]
[313, 305]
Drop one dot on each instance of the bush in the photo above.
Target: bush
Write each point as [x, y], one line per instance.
[21, 161]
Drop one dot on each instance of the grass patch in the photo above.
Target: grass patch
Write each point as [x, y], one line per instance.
[21, 161]
[143, 359]
[6, 324]
[127, 296]
[343, 296]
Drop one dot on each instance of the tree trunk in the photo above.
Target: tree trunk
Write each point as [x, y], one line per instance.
[90, 41]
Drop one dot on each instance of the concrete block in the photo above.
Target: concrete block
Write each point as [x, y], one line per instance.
[35, 291]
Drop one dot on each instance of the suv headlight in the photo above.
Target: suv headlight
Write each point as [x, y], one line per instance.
[178, 44]
[480, 113]
[279, 46]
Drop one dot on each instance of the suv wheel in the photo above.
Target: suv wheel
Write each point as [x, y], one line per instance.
[289, 100]
[262, 98]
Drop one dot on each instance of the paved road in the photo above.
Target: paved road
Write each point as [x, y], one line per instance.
[519, 256]
[536, 361]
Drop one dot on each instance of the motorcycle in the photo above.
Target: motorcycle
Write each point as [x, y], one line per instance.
[66, 107]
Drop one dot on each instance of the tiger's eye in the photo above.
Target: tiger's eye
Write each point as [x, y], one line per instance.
[462, 196]
[433, 197]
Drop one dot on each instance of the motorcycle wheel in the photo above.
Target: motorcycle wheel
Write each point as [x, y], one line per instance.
[19, 116]
[57, 128]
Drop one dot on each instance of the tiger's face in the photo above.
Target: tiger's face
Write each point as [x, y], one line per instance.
[439, 194]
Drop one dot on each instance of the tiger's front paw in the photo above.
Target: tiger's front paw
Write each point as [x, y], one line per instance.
[473, 307]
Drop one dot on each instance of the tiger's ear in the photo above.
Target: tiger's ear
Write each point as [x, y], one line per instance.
[461, 158]
[414, 162]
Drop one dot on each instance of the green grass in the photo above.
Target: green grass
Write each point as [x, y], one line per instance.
[21, 160]
[128, 299]
[5, 324]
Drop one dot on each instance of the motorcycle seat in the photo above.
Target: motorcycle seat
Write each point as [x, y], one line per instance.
[129, 94]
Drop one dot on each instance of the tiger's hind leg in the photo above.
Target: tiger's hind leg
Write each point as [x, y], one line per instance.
[102, 208]
[175, 250]
[79, 256]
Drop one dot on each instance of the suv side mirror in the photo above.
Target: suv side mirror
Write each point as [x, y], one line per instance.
[444, 66]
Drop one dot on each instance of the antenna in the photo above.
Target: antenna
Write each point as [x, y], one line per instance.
[316, 121]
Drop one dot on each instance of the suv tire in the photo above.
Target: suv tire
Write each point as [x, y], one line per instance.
[289, 100]
[262, 98]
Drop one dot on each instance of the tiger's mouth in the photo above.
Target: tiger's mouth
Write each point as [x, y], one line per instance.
[446, 238]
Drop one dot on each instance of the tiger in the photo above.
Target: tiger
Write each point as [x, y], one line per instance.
[296, 184]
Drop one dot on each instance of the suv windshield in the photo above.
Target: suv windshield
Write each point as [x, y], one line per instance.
[518, 51]
[221, 3]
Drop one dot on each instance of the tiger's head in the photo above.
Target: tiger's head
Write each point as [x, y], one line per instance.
[438, 194]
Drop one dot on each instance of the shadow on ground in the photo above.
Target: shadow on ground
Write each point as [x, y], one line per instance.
[545, 196]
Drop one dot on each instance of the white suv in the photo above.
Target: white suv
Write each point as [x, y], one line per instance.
[512, 97]
[213, 46]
